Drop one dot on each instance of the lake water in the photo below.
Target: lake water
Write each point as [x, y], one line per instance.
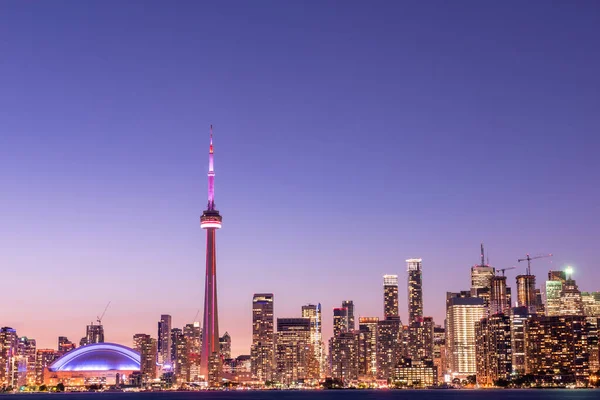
[545, 394]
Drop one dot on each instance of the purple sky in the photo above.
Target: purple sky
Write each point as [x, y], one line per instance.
[349, 136]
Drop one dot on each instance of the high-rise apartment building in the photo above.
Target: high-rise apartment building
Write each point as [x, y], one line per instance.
[9, 347]
[461, 315]
[499, 298]
[493, 349]
[415, 289]
[164, 343]
[193, 336]
[148, 349]
[526, 296]
[225, 346]
[368, 334]
[294, 353]
[344, 350]
[26, 362]
[43, 358]
[518, 318]
[313, 312]
[390, 296]
[559, 344]
[65, 345]
[263, 345]
[210, 364]
[420, 342]
[349, 305]
[340, 320]
[93, 334]
[389, 346]
[179, 355]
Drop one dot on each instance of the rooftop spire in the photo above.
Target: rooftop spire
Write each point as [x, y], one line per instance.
[211, 174]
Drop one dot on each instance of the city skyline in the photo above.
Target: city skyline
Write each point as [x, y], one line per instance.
[104, 163]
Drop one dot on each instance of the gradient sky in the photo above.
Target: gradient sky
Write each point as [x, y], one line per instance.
[349, 136]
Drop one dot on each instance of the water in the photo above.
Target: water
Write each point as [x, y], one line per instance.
[512, 394]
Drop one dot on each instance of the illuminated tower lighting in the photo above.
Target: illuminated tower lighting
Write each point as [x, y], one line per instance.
[211, 221]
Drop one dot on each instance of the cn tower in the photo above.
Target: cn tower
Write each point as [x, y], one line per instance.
[210, 364]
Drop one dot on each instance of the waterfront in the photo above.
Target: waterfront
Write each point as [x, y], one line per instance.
[506, 394]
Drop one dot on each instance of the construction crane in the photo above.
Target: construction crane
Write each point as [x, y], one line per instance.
[529, 259]
[196, 316]
[99, 319]
[505, 269]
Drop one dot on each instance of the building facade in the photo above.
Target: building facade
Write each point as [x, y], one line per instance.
[415, 289]
[461, 315]
[294, 354]
[493, 348]
[263, 339]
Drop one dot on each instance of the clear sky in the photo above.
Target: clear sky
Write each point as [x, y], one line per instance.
[349, 136]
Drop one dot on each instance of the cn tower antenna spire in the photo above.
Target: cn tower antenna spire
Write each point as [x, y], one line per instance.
[211, 173]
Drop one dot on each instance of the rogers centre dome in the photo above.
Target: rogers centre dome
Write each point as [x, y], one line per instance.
[94, 363]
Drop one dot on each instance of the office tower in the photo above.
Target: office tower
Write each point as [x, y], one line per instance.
[344, 349]
[93, 334]
[263, 340]
[313, 312]
[415, 289]
[518, 318]
[225, 345]
[558, 344]
[193, 336]
[499, 300]
[9, 346]
[164, 342]
[389, 346]
[368, 335]
[539, 302]
[390, 296]
[591, 304]
[43, 358]
[493, 349]
[180, 355]
[293, 352]
[211, 221]
[481, 276]
[349, 305]
[461, 315]
[148, 349]
[554, 286]
[26, 362]
[526, 292]
[65, 345]
[571, 302]
[340, 320]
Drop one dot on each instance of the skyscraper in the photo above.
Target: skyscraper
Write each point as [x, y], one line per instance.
[344, 355]
[389, 346]
[499, 300]
[164, 342]
[349, 305]
[179, 355]
[263, 341]
[571, 302]
[415, 289]
[390, 296]
[294, 353]
[461, 315]
[481, 277]
[26, 361]
[193, 336]
[553, 288]
[9, 345]
[518, 318]
[368, 335]
[493, 349]
[211, 221]
[225, 345]
[526, 292]
[147, 347]
[340, 320]
[313, 312]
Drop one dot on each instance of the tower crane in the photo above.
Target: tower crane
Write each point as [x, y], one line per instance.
[505, 269]
[99, 319]
[529, 259]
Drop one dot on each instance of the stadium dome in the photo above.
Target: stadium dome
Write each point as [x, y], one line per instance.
[98, 357]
